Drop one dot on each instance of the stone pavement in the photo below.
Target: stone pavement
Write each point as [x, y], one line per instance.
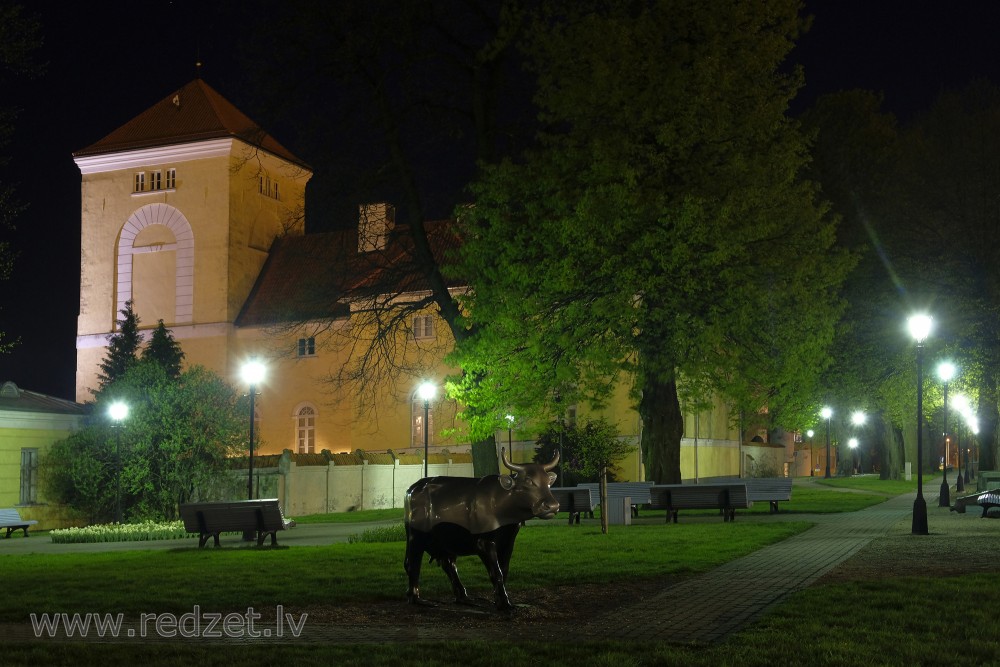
[704, 608]
[709, 607]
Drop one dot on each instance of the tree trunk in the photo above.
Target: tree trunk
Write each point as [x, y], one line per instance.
[890, 449]
[484, 457]
[604, 501]
[662, 428]
[987, 414]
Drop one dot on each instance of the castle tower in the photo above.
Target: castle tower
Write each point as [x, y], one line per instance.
[179, 208]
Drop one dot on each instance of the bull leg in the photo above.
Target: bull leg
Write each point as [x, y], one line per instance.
[411, 564]
[451, 570]
[491, 560]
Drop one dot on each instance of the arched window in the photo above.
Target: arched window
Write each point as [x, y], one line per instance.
[417, 422]
[305, 429]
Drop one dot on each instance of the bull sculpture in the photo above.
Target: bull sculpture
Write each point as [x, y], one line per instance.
[447, 517]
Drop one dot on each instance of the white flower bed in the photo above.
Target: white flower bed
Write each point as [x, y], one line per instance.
[128, 532]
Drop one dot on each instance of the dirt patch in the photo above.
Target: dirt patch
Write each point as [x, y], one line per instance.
[550, 608]
[956, 544]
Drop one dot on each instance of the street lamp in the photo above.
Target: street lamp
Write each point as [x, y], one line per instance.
[812, 453]
[118, 412]
[426, 392]
[920, 328]
[853, 444]
[826, 413]
[252, 373]
[946, 371]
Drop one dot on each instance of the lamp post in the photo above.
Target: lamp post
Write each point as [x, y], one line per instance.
[853, 444]
[426, 392]
[973, 423]
[826, 413]
[920, 328]
[118, 412]
[812, 453]
[252, 373]
[858, 418]
[946, 371]
[510, 429]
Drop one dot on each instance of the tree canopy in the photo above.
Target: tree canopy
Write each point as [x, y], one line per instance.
[171, 446]
[20, 37]
[660, 232]
[164, 350]
[123, 348]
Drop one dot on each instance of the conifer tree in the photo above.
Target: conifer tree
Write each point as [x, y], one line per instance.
[164, 350]
[123, 347]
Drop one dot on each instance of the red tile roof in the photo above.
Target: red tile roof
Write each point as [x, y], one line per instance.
[317, 276]
[196, 112]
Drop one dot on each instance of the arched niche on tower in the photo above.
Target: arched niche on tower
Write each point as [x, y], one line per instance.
[156, 265]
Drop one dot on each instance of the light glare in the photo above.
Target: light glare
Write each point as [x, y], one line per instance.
[920, 326]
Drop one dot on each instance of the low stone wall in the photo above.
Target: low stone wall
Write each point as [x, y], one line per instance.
[322, 483]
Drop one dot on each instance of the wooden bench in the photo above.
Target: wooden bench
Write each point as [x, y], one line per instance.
[11, 520]
[638, 492]
[263, 517]
[771, 490]
[725, 497]
[575, 499]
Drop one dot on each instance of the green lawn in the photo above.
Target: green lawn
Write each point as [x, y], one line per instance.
[889, 621]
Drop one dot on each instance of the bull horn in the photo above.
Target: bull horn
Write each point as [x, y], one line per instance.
[513, 466]
[555, 461]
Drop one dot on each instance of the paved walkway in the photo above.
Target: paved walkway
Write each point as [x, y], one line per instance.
[709, 607]
[705, 608]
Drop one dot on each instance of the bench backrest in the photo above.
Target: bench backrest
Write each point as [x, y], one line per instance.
[765, 488]
[637, 491]
[699, 496]
[574, 498]
[264, 514]
[10, 515]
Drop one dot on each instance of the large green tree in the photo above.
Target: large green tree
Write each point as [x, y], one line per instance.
[660, 232]
[20, 37]
[173, 444]
[946, 237]
[856, 149]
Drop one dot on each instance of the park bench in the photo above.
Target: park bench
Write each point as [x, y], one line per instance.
[11, 520]
[262, 517]
[989, 500]
[985, 499]
[575, 499]
[638, 492]
[771, 490]
[727, 497]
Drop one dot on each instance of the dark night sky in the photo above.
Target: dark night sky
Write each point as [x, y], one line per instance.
[108, 61]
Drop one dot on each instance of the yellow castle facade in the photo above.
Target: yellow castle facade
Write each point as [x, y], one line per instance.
[196, 215]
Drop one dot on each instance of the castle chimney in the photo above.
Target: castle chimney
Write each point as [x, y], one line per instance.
[375, 222]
